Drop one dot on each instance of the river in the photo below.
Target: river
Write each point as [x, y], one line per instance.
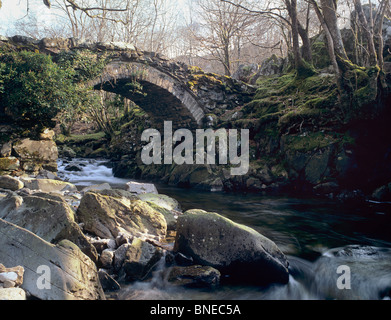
[317, 235]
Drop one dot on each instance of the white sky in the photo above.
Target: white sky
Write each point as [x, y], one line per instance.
[13, 11]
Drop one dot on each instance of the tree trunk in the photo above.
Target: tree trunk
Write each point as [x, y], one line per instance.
[368, 32]
[329, 38]
[292, 10]
[330, 17]
[307, 52]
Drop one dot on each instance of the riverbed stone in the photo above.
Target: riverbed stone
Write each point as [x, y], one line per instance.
[12, 294]
[106, 258]
[42, 150]
[140, 258]
[108, 216]
[73, 276]
[47, 216]
[141, 188]
[161, 200]
[6, 150]
[194, 276]
[10, 183]
[108, 282]
[236, 250]
[48, 185]
[9, 164]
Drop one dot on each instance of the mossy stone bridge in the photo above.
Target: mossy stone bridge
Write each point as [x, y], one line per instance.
[171, 90]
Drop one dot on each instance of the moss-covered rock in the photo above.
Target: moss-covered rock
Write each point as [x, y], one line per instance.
[234, 249]
[108, 216]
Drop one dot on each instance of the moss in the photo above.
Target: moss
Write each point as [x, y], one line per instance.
[310, 141]
[320, 55]
[81, 139]
[305, 70]
[7, 164]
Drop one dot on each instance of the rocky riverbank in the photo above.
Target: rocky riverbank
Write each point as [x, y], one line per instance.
[84, 244]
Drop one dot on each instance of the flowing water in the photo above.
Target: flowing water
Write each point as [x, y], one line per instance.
[317, 235]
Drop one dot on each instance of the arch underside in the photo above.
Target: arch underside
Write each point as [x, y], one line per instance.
[159, 103]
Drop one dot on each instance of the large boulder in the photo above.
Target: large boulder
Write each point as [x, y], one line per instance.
[42, 150]
[35, 155]
[110, 216]
[167, 206]
[47, 216]
[236, 250]
[52, 272]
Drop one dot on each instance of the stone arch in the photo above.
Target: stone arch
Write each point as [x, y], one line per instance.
[167, 99]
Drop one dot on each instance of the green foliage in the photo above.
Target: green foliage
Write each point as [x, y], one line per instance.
[310, 141]
[33, 89]
[86, 65]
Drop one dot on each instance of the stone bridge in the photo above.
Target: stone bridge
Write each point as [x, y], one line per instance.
[171, 90]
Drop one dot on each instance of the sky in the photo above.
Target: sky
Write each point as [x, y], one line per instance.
[16, 10]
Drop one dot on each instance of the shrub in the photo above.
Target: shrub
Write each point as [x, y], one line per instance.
[33, 88]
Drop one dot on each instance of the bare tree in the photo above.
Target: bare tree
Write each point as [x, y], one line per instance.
[222, 29]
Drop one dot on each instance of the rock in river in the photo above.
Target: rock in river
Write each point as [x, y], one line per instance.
[68, 273]
[108, 216]
[235, 250]
[48, 216]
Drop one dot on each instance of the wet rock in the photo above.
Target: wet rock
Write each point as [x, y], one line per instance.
[73, 276]
[366, 270]
[140, 258]
[383, 193]
[108, 282]
[10, 183]
[327, 188]
[73, 168]
[194, 276]
[233, 249]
